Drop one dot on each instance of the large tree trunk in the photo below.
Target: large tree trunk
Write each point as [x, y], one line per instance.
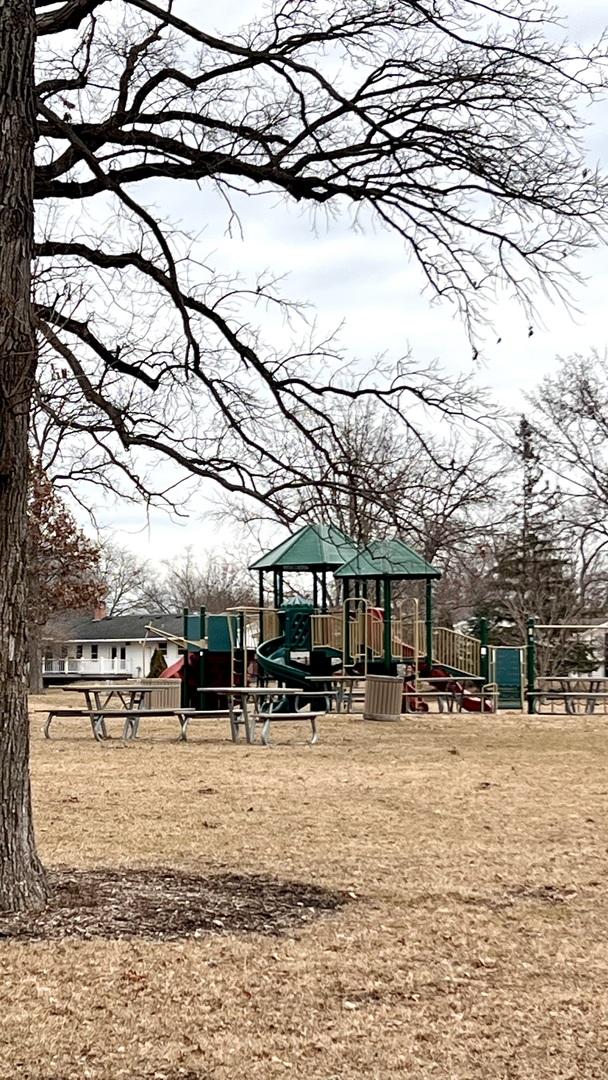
[22, 883]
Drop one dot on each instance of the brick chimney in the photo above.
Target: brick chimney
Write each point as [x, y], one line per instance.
[100, 611]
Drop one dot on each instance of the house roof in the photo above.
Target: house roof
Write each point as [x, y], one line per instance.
[313, 547]
[118, 628]
[388, 558]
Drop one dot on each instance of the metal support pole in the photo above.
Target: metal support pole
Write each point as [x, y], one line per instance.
[531, 666]
[243, 635]
[484, 650]
[429, 622]
[275, 588]
[261, 602]
[202, 634]
[315, 590]
[185, 654]
[378, 593]
[346, 657]
[324, 604]
[261, 620]
[415, 616]
[388, 626]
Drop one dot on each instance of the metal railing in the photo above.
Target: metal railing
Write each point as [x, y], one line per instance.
[408, 636]
[358, 632]
[456, 650]
[364, 635]
[253, 617]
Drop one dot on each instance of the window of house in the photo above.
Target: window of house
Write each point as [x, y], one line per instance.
[162, 647]
[79, 652]
[94, 652]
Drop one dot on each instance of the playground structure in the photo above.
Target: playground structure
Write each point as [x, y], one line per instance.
[353, 626]
[349, 624]
[356, 627]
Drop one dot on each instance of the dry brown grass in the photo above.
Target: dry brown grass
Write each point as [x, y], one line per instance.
[475, 946]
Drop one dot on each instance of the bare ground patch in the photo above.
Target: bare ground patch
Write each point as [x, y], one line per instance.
[164, 905]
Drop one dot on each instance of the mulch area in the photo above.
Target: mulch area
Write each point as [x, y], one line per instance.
[165, 905]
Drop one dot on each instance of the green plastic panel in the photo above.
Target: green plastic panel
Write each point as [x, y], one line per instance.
[387, 558]
[218, 632]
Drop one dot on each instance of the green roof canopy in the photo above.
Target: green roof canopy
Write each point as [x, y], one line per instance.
[387, 559]
[313, 547]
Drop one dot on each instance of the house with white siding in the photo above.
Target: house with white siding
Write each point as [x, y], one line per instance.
[81, 646]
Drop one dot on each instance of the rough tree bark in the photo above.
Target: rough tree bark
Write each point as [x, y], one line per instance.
[22, 883]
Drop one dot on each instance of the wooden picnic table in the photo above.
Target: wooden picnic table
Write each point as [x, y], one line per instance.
[129, 695]
[259, 695]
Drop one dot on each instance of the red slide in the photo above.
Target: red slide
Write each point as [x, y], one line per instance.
[470, 702]
[174, 671]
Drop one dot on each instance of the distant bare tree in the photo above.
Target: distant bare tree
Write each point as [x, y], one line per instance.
[437, 496]
[571, 411]
[213, 581]
[125, 576]
[571, 415]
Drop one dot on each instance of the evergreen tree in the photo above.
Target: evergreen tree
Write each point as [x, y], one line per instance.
[158, 664]
[533, 566]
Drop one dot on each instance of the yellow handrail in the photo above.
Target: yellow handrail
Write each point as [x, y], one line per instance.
[252, 618]
[457, 650]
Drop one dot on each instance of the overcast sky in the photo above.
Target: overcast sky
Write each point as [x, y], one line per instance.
[365, 282]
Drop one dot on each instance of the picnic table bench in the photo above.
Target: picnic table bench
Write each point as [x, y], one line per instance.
[98, 717]
[262, 698]
[132, 718]
[579, 693]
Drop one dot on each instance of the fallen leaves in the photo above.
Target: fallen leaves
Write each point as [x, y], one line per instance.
[166, 904]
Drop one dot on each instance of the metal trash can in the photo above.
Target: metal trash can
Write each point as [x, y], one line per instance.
[163, 694]
[383, 694]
